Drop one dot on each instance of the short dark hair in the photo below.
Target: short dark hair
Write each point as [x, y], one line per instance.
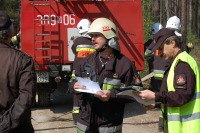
[6, 26]
[176, 39]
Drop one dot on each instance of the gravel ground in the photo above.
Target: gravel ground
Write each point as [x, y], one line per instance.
[58, 118]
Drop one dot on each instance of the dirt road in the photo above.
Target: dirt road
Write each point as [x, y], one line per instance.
[58, 118]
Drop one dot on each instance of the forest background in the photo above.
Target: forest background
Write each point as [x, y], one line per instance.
[153, 11]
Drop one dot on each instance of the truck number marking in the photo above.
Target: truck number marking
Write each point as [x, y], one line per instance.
[66, 19]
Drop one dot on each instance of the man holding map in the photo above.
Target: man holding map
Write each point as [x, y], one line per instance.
[102, 111]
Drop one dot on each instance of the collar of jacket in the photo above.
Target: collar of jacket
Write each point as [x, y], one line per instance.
[110, 66]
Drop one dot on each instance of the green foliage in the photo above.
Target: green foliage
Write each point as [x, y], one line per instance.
[12, 8]
[193, 38]
[147, 18]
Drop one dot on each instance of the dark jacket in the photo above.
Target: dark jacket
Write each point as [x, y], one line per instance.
[184, 91]
[94, 112]
[18, 88]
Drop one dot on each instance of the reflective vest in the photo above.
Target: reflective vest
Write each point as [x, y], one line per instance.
[84, 50]
[186, 118]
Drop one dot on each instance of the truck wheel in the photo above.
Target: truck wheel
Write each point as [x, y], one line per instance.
[44, 99]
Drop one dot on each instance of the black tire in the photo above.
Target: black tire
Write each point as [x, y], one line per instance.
[44, 99]
[44, 92]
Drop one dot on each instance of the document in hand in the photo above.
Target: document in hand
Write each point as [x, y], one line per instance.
[129, 93]
[91, 86]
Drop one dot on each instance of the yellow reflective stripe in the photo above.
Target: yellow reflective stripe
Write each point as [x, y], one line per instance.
[109, 87]
[109, 84]
[158, 75]
[80, 127]
[85, 49]
[80, 131]
[112, 81]
[15, 38]
[73, 75]
[75, 111]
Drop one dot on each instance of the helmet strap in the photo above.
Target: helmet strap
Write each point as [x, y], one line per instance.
[104, 47]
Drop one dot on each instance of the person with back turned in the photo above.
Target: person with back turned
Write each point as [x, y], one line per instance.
[17, 83]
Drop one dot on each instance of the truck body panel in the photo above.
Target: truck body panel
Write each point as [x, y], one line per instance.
[49, 26]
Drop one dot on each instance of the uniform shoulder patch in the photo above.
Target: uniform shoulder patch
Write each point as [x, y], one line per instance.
[180, 79]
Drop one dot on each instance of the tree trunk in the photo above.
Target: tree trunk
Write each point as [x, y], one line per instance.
[167, 8]
[156, 10]
[198, 23]
[190, 15]
[161, 12]
[184, 19]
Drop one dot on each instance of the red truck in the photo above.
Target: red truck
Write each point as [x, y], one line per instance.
[49, 26]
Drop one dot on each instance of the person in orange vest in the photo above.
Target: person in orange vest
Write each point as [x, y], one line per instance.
[82, 47]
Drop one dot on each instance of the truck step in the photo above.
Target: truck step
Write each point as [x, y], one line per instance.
[43, 48]
[39, 41]
[42, 34]
[41, 4]
[43, 57]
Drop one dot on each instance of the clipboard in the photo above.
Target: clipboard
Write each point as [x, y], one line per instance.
[127, 92]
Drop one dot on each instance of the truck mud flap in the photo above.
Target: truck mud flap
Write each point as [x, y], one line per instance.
[44, 99]
[43, 93]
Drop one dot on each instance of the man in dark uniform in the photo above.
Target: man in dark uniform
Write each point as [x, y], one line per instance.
[180, 88]
[103, 112]
[81, 47]
[17, 83]
[153, 59]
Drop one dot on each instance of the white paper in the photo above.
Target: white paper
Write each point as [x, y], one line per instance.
[137, 98]
[91, 86]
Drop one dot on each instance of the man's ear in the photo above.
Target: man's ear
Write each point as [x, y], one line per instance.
[173, 43]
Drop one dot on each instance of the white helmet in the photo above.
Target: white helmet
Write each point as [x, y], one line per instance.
[105, 27]
[83, 26]
[155, 28]
[174, 23]
[108, 29]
